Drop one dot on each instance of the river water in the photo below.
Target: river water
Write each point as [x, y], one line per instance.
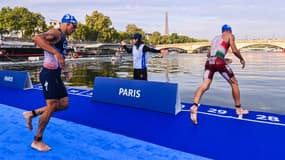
[262, 81]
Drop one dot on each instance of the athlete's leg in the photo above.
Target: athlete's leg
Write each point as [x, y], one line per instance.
[38, 144]
[29, 115]
[236, 96]
[201, 89]
[198, 94]
[63, 103]
[235, 90]
[227, 73]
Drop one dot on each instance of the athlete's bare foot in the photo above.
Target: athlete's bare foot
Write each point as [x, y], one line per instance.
[240, 112]
[40, 146]
[193, 114]
[28, 117]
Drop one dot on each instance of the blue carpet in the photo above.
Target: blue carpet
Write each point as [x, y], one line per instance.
[219, 135]
[74, 141]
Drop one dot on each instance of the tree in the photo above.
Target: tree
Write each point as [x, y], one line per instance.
[97, 27]
[101, 26]
[5, 19]
[3, 32]
[132, 29]
[123, 36]
[83, 33]
[21, 20]
[155, 38]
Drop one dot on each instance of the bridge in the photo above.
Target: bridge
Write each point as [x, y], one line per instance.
[198, 47]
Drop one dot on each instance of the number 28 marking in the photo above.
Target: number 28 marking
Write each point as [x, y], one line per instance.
[267, 118]
[258, 116]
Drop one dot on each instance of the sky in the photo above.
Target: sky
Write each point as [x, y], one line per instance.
[201, 19]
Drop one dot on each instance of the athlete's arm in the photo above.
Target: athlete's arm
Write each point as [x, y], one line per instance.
[46, 40]
[124, 44]
[148, 49]
[235, 50]
[209, 52]
[161, 51]
[129, 50]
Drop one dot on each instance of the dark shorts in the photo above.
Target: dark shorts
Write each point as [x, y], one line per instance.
[140, 74]
[217, 64]
[52, 84]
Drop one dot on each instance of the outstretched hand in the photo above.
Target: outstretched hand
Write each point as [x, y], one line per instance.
[163, 52]
[123, 43]
[243, 63]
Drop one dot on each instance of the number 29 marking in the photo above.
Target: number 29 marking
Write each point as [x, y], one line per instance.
[217, 111]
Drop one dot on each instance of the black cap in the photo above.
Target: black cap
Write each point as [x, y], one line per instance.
[136, 36]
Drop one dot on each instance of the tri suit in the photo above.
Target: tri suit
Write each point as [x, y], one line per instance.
[216, 61]
[50, 75]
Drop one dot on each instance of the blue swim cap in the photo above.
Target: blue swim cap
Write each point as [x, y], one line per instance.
[68, 19]
[226, 27]
[136, 36]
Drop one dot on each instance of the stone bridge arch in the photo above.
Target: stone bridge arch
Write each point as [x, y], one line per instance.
[274, 45]
[198, 46]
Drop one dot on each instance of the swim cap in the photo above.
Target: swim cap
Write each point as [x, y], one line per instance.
[68, 19]
[136, 36]
[226, 27]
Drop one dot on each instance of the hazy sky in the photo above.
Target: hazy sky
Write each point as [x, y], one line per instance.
[250, 19]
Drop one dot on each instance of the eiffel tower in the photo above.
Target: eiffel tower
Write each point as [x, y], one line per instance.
[166, 31]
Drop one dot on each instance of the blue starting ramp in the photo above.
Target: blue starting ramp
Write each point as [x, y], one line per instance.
[154, 96]
[15, 79]
[220, 134]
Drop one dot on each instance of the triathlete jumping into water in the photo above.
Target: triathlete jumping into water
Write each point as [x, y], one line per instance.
[217, 62]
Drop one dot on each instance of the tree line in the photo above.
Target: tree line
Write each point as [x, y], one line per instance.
[97, 28]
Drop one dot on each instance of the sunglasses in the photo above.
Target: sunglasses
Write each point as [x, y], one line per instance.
[74, 25]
